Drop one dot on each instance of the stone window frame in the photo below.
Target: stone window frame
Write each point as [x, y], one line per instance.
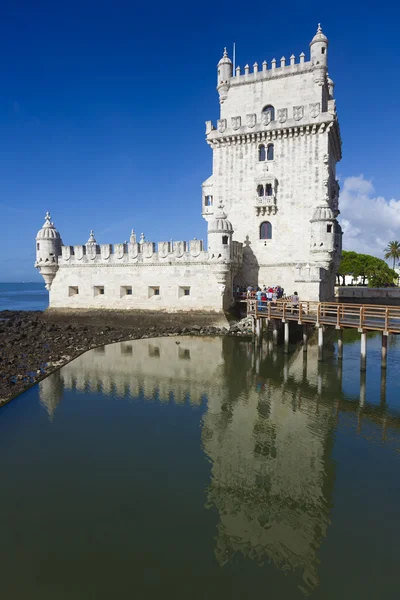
[154, 291]
[73, 290]
[184, 291]
[98, 290]
[269, 231]
[126, 291]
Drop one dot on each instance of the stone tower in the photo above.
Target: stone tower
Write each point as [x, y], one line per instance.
[275, 150]
[48, 250]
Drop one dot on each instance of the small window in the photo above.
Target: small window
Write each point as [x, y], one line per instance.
[260, 190]
[154, 291]
[261, 152]
[269, 109]
[38, 246]
[266, 231]
[184, 353]
[225, 240]
[154, 351]
[270, 152]
[99, 290]
[183, 291]
[73, 290]
[323, 50]
[126, 349]
[126, 290]
[268, 189]
[208, 201]
[329, 228]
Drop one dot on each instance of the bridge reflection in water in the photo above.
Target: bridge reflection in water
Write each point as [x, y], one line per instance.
[268, 426]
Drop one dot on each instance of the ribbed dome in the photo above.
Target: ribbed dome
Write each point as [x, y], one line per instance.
[225, 59]
[48, 231]
[319, 36]
[220, 221]
[323, 213]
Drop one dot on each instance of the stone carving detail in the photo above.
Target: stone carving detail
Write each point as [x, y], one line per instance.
[91, 251]
[119, 251]
[266, 117]
[251, 120]
[298, 112]
[179, 249]
[315, 109]
[148, 249]
[221, 125]
[105, 251]
[195, 247]
[236, 122]
[78, 252]
[282, 115]
[66, 252]
[163, 249]
[133, 250]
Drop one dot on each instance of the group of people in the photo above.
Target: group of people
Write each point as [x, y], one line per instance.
[270, 294]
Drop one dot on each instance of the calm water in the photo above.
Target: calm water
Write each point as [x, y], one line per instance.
[23, 296]
[192, 468]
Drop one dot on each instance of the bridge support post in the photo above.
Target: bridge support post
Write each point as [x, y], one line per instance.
[340, 344]
[363, 388]
[363, 357]
[258, 330]
[253, 326]
[384, 350]
[320, 343]
[383, 387]
[305, 337]
[286, 331]
[275, 332]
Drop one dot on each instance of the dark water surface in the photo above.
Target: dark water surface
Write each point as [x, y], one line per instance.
[195, 468]
[23, 296]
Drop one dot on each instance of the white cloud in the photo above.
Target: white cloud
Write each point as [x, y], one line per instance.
[369, 222]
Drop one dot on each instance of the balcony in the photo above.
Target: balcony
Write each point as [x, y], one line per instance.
[265, 205]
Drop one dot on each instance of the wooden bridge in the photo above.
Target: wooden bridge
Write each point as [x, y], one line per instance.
[363, 317]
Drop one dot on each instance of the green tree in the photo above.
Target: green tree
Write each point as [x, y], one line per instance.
[392, 251]
[376, 270]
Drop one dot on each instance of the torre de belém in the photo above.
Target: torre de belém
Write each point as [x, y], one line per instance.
[270, 204]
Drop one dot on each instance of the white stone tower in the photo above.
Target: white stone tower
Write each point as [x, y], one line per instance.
[275, 150]
[48, 249]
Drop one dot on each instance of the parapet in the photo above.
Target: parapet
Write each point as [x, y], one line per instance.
[271, 71]
[142, 252]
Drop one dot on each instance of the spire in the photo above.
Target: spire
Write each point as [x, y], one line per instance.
[225, 55]
[47, 220]
[319, 30]
[319, 36]
[92, 239]
[132, 238]
[142, 238]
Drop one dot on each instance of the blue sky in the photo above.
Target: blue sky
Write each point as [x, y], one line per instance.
[103, 104]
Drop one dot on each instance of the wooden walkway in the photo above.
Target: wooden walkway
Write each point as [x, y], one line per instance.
[364, 317]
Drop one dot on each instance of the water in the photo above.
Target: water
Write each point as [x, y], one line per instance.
[197, 468]
[23, 296]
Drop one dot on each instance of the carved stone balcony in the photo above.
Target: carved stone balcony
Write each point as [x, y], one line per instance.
[265, 205]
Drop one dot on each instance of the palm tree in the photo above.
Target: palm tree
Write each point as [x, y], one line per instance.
[393, 251]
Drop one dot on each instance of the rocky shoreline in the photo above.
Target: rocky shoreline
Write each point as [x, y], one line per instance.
[35, 344]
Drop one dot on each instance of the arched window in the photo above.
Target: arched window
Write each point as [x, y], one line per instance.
[261, 152]
[270, 152]
[225, 240]
[268, 189]
[269, 109]
[266, 231]
[260, 190]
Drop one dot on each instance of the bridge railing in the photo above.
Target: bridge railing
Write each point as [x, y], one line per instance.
[361, 316]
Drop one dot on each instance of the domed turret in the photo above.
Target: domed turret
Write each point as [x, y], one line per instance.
[220, 232]
[48, 249]
[319, 55]
[323, 232]
[225, 72]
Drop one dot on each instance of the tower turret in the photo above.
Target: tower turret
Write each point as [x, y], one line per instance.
[225, 72]
[48, 249]
[319, 55]
[324, 233]
[220, 233]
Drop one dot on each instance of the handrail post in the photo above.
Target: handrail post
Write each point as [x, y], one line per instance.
[338, 316]
[361, 317]
[284, 312]
[318, 312]
[269, 311]
[387, 319]
[300, 314]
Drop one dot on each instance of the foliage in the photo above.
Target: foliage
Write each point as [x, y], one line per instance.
[392, 251]
[376, 270]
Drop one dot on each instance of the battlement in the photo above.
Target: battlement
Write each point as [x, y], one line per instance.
[141, 252]
[271, 71]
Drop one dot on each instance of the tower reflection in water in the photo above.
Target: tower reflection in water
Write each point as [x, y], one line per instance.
[268, 425]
